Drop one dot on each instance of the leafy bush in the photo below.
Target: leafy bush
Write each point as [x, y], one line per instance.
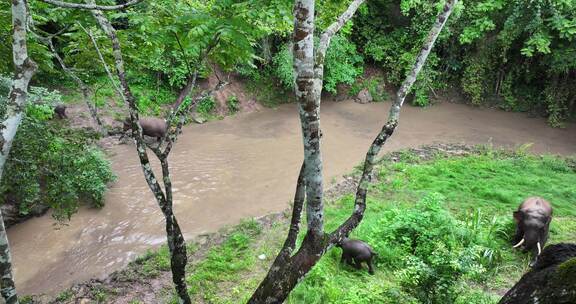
[206, 106]
[431, 250]
[375, 86]
[343, 64]
[517, 56]
[51, 165]
[233, 104]
[283, 69]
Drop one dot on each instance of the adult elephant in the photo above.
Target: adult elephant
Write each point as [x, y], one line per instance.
[533, 219]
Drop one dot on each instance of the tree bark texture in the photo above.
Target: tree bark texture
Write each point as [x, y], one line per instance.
[287, 270]
[24, 69]
[175, 239]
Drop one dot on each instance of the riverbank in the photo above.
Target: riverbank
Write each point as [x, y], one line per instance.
[226, 266]
[241, 167]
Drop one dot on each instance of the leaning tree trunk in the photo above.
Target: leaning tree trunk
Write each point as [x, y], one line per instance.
[176, 243]
[24, 69]
[287, 269]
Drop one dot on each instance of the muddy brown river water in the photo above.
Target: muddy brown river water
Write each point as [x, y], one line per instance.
[242, 166]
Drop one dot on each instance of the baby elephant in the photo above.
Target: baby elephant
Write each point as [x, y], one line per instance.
[533, 219]
[358, 251]
[60, 110]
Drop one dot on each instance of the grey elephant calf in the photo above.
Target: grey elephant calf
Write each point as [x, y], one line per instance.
[357, 251]
[153, 127]
[533, 219]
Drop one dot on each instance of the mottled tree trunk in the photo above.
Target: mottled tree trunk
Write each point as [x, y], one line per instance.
[287, 269]
[24, 68]
[175, 239]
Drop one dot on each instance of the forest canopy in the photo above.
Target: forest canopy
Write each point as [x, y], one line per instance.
[517, 55]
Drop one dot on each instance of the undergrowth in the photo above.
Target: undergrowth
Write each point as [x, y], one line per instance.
[441, 229]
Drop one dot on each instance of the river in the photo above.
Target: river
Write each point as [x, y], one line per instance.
[242, 166]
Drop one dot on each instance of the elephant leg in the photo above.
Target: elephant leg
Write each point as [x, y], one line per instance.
[344, 257]
[357, 264]
[370, 267]
[349, 261]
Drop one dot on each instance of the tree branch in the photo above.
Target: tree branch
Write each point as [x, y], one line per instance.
[299, 197]
[333, 29]
[104, 64]
[393, 116]
[131, 101]
[83, 87]
[91, 6]
[184, 111]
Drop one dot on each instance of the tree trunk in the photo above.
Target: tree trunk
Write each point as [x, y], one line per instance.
[287, 270]
[24, 69]
[175, 239]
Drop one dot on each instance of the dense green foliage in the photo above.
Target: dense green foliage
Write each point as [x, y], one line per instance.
[516, 55]
[519, 55]
[52, 165]
[343, 64]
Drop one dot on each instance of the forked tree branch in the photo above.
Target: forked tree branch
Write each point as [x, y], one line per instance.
[333, 29]
[91, 6]
[299, 196]
[175, 240]
[104, 64]
[393, 116]
[131, 101]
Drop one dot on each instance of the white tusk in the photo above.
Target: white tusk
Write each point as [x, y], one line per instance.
[539, 249]
[519, 243]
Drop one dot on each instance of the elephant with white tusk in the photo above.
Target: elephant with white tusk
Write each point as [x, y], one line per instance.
[533, 219]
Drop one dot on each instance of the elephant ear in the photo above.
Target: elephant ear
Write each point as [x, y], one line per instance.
[518, 216]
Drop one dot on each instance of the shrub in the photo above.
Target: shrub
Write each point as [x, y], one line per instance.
[54, 166]
[233, 104]
[431, 250]
[206, 106]
[343, 64]
[375, 86]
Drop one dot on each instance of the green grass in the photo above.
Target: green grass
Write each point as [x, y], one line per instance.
[467, 245]
[441, 229]
[491, 184]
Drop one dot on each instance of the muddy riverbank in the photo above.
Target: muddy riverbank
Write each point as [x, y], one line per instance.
[243, 166]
